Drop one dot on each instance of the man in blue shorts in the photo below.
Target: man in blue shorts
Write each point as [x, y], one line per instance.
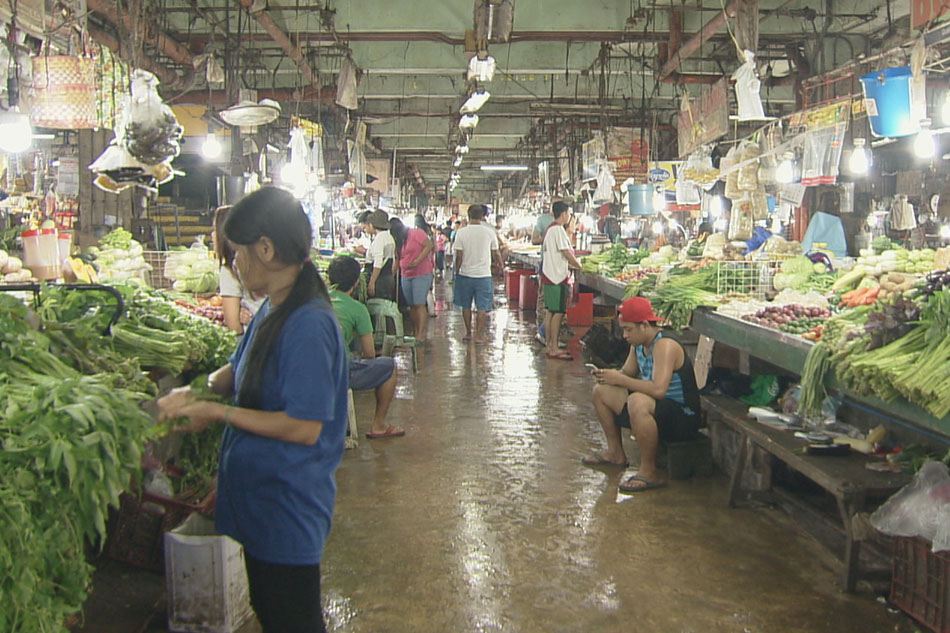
[368, 372]
[475, 248]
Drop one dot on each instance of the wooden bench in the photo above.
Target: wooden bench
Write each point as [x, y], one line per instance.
[846, 478]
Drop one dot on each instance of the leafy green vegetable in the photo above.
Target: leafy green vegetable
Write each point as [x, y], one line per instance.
[119, 238]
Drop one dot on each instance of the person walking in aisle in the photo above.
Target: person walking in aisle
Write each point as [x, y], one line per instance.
[416, 263]
[557, 260]
[475, 248]
[382, 252]
[654, 394]
[367, 371]
[441, 243]
[284, 432]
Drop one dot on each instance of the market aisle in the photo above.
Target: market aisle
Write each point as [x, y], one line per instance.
[483, 518]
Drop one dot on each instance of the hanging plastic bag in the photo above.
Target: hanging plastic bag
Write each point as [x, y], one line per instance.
[346, 85]
[148, 128]
[740, 221]
[732, 190]
[605, 185]
[748, 173]
[902, 216]
[760, 205]
[747, 90]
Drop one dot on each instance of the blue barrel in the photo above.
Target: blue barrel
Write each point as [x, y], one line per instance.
[887, 97]
[640, 199]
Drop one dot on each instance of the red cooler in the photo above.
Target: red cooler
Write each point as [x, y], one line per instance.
[528, 292]
[513, 282]
[582, 313]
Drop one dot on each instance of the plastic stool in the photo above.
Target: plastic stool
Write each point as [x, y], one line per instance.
[381, 310]
[391, 343]
[352, 434]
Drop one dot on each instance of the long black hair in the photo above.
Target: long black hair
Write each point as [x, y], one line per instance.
[400, 233]
[275, 214]
[422, 224]
[222, 249]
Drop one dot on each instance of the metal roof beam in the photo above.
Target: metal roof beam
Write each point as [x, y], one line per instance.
[277, 34]
[693, 43]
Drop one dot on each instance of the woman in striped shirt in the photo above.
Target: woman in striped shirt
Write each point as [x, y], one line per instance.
[654, 394]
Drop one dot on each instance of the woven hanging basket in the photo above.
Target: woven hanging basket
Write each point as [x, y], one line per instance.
[64, 92]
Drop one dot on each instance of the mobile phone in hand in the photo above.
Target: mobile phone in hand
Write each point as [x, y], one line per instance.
[591, 366]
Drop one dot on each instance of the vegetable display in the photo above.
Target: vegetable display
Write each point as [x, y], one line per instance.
[794, 319]
[71, 444]
[120, 258]
[613, 260]
[192, 270]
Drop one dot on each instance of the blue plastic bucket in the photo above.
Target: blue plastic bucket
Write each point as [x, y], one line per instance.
[640, 199]
[887, 98]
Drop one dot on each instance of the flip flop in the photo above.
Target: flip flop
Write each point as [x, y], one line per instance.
[561, 356]
[391, 431]
[648, 484]
[596, 460]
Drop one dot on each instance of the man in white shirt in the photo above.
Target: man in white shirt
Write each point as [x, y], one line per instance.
[557, 259]
[382, 253]
[476, 246]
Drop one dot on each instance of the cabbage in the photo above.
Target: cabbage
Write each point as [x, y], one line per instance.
[180, 286]
[794, 281]
[796, 265]
[205, 282]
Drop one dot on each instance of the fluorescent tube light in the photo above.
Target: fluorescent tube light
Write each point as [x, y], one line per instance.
[504, 168]
[475, 102]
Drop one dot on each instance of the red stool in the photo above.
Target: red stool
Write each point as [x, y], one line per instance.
[528, 292]
[582, 313]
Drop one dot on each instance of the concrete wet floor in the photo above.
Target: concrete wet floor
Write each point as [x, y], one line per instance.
[482, 519]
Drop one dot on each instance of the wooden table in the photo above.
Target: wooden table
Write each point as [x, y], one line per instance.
[846, 478]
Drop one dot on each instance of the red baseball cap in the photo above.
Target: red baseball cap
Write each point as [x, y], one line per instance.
[636, 310]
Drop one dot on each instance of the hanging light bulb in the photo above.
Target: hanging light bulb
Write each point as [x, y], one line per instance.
[458, 161]
[924, 145]
[785, 172]
[468, 121]
[659, 201]
[945, 232]
[657, 227]
[859, 161]
[211, 148]
[16, 134]
[945, 108]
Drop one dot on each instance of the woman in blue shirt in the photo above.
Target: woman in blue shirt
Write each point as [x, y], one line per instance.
[284, 435]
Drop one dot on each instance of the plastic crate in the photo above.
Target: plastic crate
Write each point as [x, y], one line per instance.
[920, 584]
[136, 532]
[205, 579]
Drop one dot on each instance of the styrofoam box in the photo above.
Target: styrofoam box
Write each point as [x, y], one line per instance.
[205, 579]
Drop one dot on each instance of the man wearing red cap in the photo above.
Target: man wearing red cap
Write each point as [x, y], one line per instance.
[654, 394]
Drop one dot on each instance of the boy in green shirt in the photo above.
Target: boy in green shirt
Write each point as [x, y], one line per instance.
[368, 372]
